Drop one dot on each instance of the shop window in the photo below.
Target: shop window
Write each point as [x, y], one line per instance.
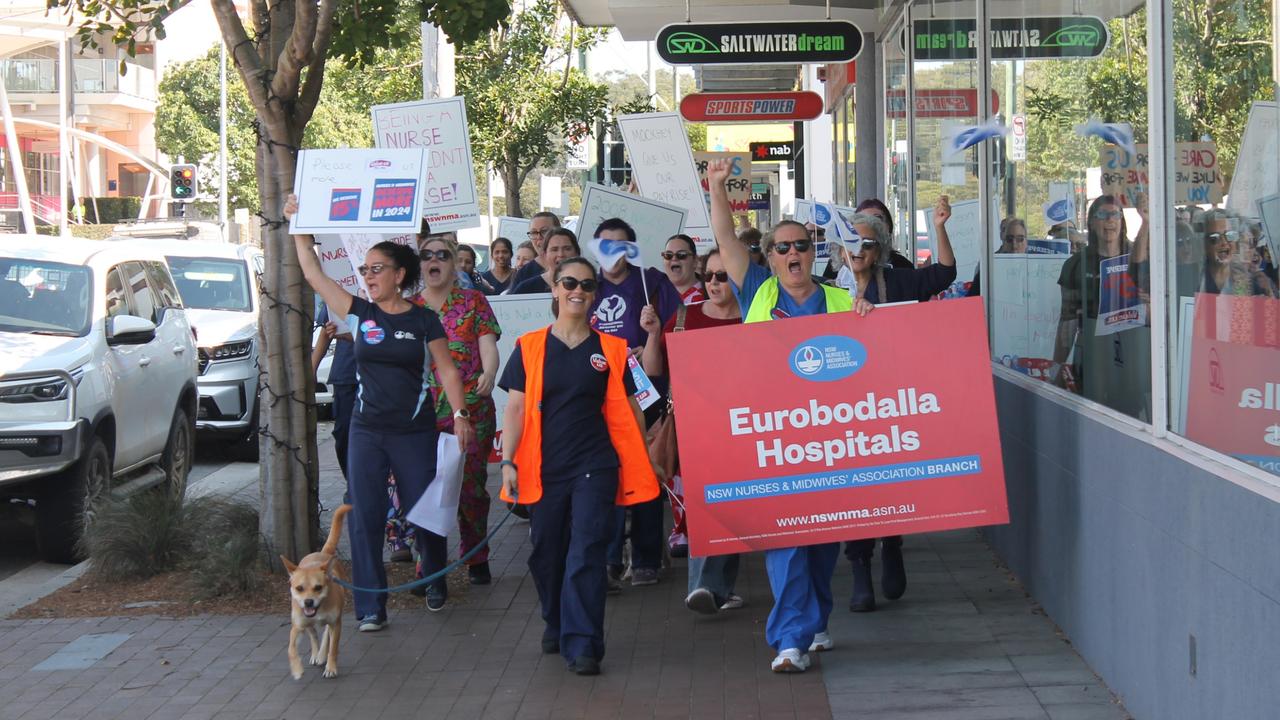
[1071, 90]
[1222, 247]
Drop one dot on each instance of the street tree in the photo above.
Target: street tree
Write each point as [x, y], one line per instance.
[281, 58]
[526, 98]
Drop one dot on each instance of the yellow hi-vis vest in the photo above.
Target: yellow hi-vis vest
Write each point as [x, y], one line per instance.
[766, 299]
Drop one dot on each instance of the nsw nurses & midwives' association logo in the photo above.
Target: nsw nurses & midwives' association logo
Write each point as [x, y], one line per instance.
[828, 358]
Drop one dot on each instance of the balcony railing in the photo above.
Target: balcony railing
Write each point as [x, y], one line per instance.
[90, 76]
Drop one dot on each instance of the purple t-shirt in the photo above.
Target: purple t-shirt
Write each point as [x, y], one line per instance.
[617, 307]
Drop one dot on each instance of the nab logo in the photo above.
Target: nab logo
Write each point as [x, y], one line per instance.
[611, 309]
[808, 360]
[828, 358]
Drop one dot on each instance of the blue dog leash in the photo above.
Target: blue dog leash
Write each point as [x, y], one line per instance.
[441, 573]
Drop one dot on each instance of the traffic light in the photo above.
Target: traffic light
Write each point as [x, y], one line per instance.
[182, 182]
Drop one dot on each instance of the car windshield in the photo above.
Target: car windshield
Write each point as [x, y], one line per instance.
[212, 283]
[44, 298]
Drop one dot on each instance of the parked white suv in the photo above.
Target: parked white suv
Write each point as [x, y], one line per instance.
[219, 287]
[97, 379]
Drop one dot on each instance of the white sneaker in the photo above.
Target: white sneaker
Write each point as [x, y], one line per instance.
[733, 603]
[790, 660]
[822, 642]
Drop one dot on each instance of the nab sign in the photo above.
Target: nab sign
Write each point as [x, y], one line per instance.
[752, 107]
[775, 151]
[760, 43]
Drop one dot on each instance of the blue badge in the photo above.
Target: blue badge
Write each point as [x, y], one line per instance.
[828, 358]
[372, 333]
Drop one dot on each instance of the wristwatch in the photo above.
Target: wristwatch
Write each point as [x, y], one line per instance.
[505, 463]
[462, 414]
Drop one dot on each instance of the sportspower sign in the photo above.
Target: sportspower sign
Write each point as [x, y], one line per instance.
[1031, 38]
[775, 43]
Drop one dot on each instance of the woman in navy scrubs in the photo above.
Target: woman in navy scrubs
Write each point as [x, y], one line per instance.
[393, 427]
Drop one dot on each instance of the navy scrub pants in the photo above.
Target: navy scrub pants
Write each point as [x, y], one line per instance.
[344, 403]
[571, 527]
[372, 456]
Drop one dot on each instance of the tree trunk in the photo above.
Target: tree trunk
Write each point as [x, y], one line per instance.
[511, 179]
[289, 473]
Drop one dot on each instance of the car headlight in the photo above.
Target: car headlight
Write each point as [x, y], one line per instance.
[39, 390]
[230, 351]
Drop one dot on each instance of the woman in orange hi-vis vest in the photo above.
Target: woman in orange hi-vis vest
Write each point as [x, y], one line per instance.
[572, 446]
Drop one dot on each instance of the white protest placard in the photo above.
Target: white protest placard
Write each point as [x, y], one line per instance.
[516, 315]
[654, 221]
[662, 165]
[439, 127]
[739, 182]
[804, 211]
[335, 263]
[1026, 302]
[358, 191]
[514, 229]
[962, 230]
[1269, 211]
[1197, 177]
[1255, 174]
[549, 191]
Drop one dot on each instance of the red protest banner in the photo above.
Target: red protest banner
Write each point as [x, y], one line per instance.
[1233, 398]
[836, 427]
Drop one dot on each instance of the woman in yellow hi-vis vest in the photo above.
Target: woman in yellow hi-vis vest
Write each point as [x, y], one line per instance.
[572, 447]
[800, 577]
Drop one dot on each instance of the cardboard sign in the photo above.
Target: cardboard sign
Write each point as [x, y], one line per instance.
[739, 182]
[654, 221]
[1269, 212]
[439, 127]
[1255, 174]
[962, 230]
[358, 191]
[1234, 395]
[1026, 304]
[1197, 178]
[1120, 307]
[514, 229]
[662, 165]
[516, 315]
[857, 432]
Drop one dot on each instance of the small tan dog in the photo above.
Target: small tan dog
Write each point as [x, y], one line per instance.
[318, 601]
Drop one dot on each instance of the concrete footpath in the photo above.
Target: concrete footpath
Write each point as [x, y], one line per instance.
[963, 643]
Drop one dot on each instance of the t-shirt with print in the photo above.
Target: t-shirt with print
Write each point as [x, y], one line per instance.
[392, 365]
[575, 438]
[617, 307]
[786, 307]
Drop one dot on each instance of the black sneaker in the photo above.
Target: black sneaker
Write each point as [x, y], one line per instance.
[864, 594]
[550, 643]
[893, 572]
[615, 580]
[437, 595]
[585, 666]
[479, 574]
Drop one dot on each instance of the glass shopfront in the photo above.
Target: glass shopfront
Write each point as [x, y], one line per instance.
[1114, 175]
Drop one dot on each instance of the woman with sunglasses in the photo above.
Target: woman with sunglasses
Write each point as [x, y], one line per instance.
[711, 579]
[877, 208]
[561, 244]
[473, 335]
[800, 577]
[1108, 368]
[680, 258]
[572, 446]
[392, 427]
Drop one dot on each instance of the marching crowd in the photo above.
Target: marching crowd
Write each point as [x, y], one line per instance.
[589, 468]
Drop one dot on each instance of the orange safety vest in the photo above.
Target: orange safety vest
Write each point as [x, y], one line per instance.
[636, 480]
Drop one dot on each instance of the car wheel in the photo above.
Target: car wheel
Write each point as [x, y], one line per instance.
[67, 504]
[178, 451]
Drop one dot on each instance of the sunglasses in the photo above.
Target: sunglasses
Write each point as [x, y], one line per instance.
[720, 277]
[1229, 236]
[755, 247]
[572, 283]
[1107, 214]
[677, 255]
[374, 269]
[801, 246]
[429, 255]
[858, 247]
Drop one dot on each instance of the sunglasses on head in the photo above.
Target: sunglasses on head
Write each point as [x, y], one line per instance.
[1108, 214]
[719, 276]
[429, 255]
[801, 246]
[374, 269]
[677, 255]
[572, 283]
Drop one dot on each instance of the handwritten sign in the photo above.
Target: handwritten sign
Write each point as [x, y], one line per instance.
[653, 221]
[962, 230]
[662, 165]
[1026, 301]
[739, 182]
[1197, 176]
[358, 191]
[514, 229]
[516, 315]
[1255, 174]
[439, 127]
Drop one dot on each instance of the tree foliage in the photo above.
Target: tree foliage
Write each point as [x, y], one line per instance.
[525, 96]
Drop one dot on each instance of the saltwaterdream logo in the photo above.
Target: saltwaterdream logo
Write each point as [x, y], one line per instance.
[828, 358]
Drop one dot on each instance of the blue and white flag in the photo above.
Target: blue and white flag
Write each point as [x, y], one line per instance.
[1118, 134]
[963, 137]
